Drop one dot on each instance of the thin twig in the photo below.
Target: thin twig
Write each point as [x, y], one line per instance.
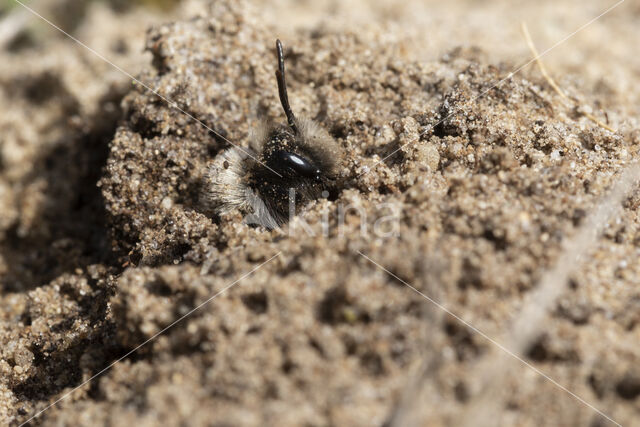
[597, 121]
[494, 371]
[543, 69]
[552, 83]
[409, 410]
[11, 25]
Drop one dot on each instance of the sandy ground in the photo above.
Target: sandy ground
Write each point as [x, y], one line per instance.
[104, 239]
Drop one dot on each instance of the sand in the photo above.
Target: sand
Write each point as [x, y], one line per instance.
[105, 239]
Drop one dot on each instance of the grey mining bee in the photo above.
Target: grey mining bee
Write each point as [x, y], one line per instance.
[287, 166]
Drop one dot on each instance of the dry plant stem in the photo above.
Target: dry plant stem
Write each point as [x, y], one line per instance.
[409, 410]
[552, 83]
[494, 370]
[598, 122]
[411, 407]
[11, 25]
[543, 69]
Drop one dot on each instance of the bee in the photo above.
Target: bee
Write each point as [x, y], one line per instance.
[288, 166]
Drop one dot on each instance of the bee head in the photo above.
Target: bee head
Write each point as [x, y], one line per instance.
[288, 168]
[298, 156]
[294, 163]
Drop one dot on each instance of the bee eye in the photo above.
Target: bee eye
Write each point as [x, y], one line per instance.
[290, 164]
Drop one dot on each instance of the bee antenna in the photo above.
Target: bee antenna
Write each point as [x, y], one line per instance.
[282, 88]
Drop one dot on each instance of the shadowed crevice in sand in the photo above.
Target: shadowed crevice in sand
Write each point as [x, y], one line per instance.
[70, 229]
